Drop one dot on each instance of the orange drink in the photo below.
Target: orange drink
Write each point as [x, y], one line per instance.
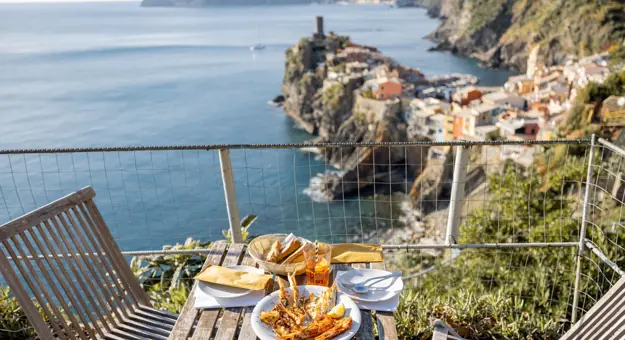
[318, 266]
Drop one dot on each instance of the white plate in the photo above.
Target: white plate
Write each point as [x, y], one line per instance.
[356, 276]
[225, 292]
[264, 332]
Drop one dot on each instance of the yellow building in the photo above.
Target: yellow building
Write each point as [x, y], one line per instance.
[613, 111]
[449, 126]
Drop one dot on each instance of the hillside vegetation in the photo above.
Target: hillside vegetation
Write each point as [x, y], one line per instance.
[502, 32]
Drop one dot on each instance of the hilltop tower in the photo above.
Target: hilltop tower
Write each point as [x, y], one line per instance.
[318, 27]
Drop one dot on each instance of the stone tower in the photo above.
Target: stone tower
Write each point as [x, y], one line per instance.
[318, 27]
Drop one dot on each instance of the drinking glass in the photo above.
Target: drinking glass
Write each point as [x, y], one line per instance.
[318, 266]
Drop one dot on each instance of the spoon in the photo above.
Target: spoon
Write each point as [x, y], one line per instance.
[362, 288]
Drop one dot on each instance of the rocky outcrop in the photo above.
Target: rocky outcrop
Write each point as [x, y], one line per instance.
[501, 33]
[312, 105]
[431, 190]
[334, 109]
[362, 167]
[334, 105]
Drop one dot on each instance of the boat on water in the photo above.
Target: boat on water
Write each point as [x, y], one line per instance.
[257, 47]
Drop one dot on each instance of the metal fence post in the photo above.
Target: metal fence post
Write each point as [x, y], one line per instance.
[457, 194]
[582, 233]
[230, 195]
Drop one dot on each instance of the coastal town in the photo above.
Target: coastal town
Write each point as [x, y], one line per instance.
[343, 92]
[530, 106]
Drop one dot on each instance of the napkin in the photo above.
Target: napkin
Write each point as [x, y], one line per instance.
[234, 278]
[389, 305]
[356, 253]
[205, 301]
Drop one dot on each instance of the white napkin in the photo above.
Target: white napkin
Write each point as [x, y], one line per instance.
[389, 305]
[205, 301]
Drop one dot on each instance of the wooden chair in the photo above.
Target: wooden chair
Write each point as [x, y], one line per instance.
[605, 320]
[63, 256]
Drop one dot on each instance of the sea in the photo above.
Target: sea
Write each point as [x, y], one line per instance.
[116, 74]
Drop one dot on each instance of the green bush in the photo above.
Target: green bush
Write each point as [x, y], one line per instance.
[13, 322]
[168, 278]
[521, 293]
[595, 94]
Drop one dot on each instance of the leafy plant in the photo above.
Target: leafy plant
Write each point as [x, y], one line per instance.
[525, 293]
[168, 278]
[246, 223]
[13, 321]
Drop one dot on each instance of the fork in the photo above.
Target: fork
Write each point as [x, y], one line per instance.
[362, 288]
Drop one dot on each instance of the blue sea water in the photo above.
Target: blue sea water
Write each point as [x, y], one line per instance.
[114, 74]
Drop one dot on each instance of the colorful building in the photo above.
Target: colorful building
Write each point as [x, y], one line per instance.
[613, 111]
[385, 88]
[466, 95]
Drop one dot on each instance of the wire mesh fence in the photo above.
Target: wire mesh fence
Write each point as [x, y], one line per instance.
[520, 216]
[604, 255]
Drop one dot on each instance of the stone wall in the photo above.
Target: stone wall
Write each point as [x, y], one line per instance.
[373, 110]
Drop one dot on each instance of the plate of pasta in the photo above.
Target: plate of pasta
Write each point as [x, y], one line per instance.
[306, 312]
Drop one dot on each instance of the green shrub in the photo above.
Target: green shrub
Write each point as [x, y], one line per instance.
[485, 316]
[13, 321]
[168, 278]
[521, 293]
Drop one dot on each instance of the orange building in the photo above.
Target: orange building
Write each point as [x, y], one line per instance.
[467, 95]
[385, 88]
[458, 126]
[389, 89]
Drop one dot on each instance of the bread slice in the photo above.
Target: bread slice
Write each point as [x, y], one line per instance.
[274, 252]
[296, 256]
[289, 248]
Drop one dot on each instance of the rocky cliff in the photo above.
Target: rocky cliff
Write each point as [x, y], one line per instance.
[501, 33]
[333, 109]
[306, 100]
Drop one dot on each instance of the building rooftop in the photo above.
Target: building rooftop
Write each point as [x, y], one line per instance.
[614, 103]
[484, 107]
[439, 117]
[511, 124]
[464, 90]
[518, 78]
[498, 96]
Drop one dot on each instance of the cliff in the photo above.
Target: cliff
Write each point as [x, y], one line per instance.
[323, 96]
[501, 33]
[306, 100]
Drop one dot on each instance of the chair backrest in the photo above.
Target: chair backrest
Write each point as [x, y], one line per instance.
[63, 256]
[606, 318]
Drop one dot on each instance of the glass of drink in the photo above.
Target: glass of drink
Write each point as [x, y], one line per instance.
[318, 267]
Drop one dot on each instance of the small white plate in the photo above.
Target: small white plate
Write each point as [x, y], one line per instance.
[381, 291]
[264, 332]
[225, 292]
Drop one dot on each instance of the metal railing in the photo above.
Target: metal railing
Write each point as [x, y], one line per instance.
[415, 198]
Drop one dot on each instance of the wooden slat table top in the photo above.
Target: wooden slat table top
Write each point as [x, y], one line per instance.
[235, 323]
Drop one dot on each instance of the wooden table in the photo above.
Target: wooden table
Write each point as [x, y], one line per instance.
[235, 323]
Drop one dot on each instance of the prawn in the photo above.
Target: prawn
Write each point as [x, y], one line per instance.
[340, 326]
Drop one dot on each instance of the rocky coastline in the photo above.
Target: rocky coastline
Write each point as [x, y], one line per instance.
[325, 91]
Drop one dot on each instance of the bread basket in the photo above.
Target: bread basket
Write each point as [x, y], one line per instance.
[260, 246]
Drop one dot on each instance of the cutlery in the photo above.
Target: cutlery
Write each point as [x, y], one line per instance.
[362, 288]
